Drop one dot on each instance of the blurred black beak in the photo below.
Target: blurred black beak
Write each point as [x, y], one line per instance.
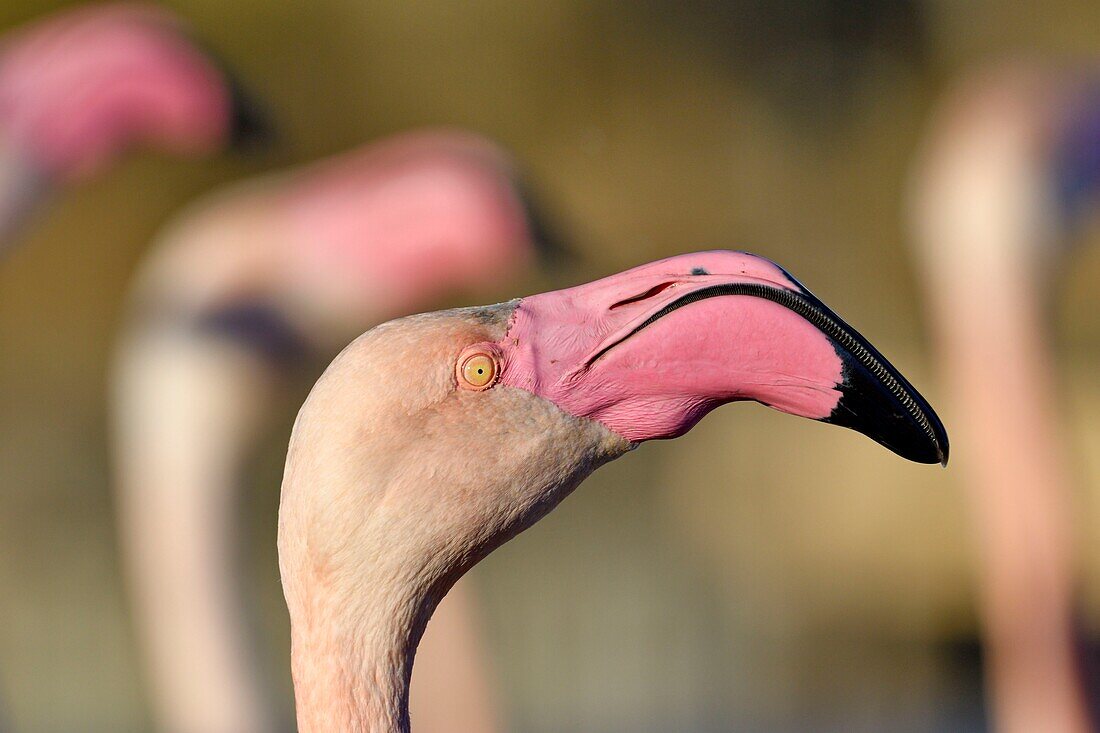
[250, 126]
[546, 235]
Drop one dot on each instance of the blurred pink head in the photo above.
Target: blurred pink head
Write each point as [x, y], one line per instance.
[82, 86]
[413, 217]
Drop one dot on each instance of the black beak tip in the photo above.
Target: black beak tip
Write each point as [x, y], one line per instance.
[905, 423]
[550, 247]
[250, 124]
[875, 399]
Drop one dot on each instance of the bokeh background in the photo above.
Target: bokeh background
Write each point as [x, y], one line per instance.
[765, 574]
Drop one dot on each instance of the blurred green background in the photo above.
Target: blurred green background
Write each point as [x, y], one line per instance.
[765, 574]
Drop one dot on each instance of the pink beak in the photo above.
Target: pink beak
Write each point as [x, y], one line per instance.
[650, 351]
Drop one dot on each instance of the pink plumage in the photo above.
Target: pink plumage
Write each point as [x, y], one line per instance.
[410, 217]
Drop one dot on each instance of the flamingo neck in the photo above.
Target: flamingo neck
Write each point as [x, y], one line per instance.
[352, 657]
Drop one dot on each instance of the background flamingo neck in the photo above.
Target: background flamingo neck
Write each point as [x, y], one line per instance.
[176, 501]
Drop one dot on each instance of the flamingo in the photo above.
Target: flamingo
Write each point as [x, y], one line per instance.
[235, 298]
[433, 439]
[1009, 160]
[82, 86]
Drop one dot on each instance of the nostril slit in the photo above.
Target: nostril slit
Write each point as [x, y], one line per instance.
[644, 296]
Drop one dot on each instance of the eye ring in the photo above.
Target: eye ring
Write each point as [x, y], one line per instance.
[477, 368]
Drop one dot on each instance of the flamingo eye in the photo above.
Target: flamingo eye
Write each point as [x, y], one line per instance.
[477, 371]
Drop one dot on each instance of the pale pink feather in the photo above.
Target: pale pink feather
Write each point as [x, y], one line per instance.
[428, 211]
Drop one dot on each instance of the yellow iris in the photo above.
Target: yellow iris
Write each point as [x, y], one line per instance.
[479, 370]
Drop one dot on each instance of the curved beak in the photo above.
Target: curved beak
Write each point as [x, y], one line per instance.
[650, 351]
[250, 125]
[876, 399]
[551, 248]
[22, 189]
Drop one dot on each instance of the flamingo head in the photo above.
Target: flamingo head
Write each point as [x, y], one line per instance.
[83, 86]
[443, 435]
[404, 222]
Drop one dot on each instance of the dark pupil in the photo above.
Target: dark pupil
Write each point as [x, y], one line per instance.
[480, 371]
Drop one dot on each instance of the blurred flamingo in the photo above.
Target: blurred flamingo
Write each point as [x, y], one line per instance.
[239, 293]
[82, 86]
[433, 439]
[1012, 157]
